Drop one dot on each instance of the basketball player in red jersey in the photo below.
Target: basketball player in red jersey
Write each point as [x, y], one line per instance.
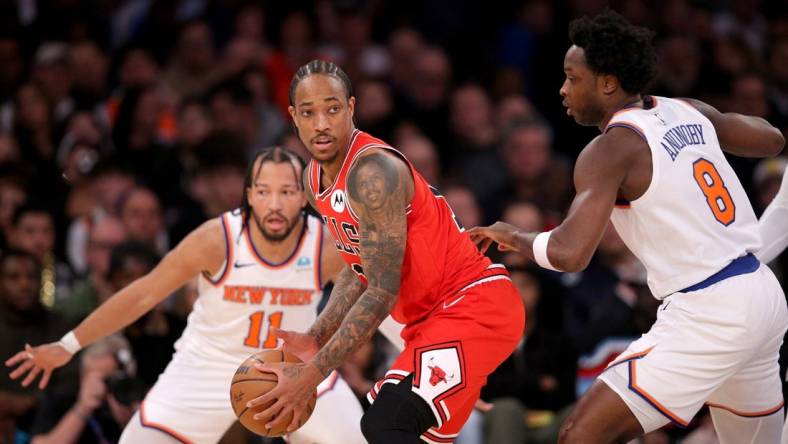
[411, 258]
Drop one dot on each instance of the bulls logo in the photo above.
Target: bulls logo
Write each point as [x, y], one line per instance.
[338, 201]
[438, 375]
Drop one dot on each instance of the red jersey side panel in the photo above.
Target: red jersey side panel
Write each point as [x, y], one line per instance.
[439, 257]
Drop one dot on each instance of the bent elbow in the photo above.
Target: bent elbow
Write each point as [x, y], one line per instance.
[570, 261]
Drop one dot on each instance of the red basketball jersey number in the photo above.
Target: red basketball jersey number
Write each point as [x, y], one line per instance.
[256, 326]
[717, 196]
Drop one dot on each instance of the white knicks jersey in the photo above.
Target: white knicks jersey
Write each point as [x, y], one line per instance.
[694, 217]
[236, 308]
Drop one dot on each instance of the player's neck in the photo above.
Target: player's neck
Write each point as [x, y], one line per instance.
[276, 251]
[628, 101]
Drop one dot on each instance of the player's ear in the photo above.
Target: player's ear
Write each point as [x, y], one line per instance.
[610, 84]
[291, 111]
[351, 105]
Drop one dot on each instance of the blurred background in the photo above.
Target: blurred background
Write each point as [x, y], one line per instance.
[126, 124]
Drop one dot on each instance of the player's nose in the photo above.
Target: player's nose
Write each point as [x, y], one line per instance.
[321, 122]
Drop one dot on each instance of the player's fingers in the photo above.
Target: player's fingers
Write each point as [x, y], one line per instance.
[31, 376]
[264, 398]
[270, 412]
[280, 420]
[22, 369]
[17, 358]
[502, 247]
[296, 422]
[274, 368]
[44, 379]
[485, 245]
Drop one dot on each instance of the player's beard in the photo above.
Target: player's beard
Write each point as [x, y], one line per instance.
[275, 237]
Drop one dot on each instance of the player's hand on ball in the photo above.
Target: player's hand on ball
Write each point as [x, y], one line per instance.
[300, 344]
[37, 360]
[502, 233]
[297, 383]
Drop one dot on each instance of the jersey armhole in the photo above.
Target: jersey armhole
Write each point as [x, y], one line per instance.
[219, 278]
[654, 162]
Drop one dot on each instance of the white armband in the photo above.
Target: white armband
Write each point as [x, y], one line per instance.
[70, 342]
[540, 250]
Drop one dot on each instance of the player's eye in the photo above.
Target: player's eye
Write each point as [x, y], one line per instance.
[306, 113]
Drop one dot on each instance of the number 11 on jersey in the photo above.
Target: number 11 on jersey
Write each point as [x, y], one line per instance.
[256, 326]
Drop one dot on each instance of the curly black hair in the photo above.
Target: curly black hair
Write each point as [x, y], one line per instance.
[614, 46]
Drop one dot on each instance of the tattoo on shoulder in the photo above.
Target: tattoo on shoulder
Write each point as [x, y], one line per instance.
[376, 187]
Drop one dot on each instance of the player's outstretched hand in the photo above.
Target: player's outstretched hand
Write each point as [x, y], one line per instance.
[297, 383]
[501, 232]
[37, 360]
[300, 344]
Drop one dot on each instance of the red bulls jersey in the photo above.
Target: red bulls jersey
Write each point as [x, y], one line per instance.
[440, 259]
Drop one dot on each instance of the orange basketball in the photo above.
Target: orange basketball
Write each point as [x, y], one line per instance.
[249, 383]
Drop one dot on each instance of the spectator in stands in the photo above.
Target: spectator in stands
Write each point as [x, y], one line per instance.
[421, 152]
[107, 399]
[33, 231]
[141, 214]
[22, 318]
[536, 173]
[94, 288]
[474, 157]
[464, 205]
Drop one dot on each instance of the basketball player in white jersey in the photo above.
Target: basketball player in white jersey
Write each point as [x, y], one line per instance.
[260, 267]
[659, 173]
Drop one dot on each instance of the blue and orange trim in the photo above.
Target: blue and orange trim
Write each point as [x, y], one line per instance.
[762, 413]
[261, 260]
[228, 253]
[650, 399]
[160, 427]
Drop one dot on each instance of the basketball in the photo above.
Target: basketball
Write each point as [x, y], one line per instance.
[249, 383]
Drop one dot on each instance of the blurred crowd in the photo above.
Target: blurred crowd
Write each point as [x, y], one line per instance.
[124, 124]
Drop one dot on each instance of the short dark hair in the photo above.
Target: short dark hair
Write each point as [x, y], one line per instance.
[30, 208]
[131, 250]
[10, 253]
[319, 67]
[614, 46]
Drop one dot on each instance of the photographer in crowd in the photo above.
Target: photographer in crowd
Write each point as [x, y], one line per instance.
[108, 397]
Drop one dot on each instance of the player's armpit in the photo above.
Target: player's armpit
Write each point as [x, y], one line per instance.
[600, 171]
[378, 185]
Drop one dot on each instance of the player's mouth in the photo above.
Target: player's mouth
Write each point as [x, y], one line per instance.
[568, 109]
[275, 223]
[322, 143]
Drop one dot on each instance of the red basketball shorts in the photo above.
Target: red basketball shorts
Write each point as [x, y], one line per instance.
[451, 352]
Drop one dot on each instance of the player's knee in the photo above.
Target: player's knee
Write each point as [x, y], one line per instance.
[396, 412]
[570, 433]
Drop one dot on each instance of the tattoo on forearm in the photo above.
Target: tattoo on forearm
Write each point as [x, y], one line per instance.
[377, 191]
[358, 327]
[346, 292]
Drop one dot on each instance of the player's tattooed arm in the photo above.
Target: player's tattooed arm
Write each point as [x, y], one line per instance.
[379, 187]
[346, 292]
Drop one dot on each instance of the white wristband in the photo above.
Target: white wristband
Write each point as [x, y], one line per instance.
[70, 342]
[540, 250]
